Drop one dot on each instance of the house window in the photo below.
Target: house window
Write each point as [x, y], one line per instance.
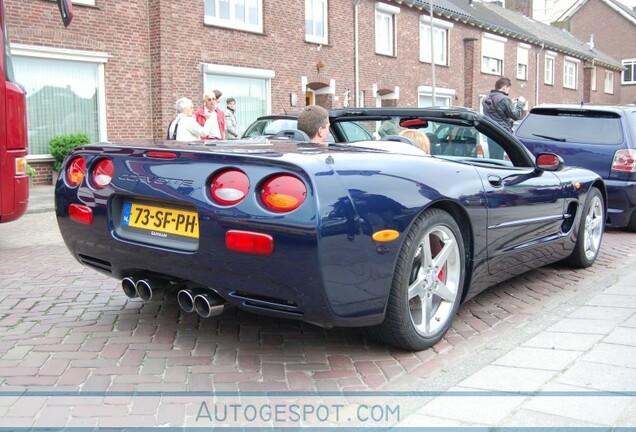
[492, 54]
[522, 61]
[548, 76]
[629, 74]
[65, 93]
[316, 21]
[385, 23]
[609, 82]
[593, 79]
[237, 14]
[443, 96]
[440, 31]
[570, 73]
[250, 87]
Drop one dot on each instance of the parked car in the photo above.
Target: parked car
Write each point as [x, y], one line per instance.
[597, 137]
[373, 234]
[270, 125]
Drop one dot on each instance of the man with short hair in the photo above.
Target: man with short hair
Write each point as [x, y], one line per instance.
[500, 108]
[231, 125]
[210, 108]
[314, 121]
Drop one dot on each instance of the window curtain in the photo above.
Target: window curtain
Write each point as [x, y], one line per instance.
[62, 98]
[250, 95]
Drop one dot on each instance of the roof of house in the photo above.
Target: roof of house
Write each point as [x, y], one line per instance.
[493, 18]
[620, 8]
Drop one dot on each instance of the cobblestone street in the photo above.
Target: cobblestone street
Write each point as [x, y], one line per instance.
[67, 327]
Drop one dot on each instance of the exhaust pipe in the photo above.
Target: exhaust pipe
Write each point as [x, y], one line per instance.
[185, 298]
[150, 288]
[130, 287]
[208, 305]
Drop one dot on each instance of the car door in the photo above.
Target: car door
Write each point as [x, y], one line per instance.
[525, 209]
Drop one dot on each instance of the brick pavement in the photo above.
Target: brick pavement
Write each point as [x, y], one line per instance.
[66, 327]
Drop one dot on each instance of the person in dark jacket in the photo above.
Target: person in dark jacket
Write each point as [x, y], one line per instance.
[500, 108]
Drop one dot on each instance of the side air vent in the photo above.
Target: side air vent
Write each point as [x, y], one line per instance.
[267, 303]
[98, 264]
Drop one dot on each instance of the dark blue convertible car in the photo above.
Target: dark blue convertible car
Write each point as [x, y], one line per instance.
[373, 234]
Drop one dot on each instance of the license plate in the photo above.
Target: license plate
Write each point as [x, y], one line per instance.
[161, 221]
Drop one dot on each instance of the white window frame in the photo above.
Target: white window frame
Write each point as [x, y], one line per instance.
[440, 93]
[609, 82]
[310, 7]
[441, 37]
[570, 73]
[389, 13]
[548, 68]
[523, 51]
[232, 22]
[631, 62]
[97, 57]
[493, 51]
[593, 79]
[84, 2]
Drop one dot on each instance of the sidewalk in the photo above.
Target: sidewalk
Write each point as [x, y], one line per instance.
[41, 199]
[579, 371]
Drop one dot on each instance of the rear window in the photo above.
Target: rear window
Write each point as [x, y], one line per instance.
[580, 126]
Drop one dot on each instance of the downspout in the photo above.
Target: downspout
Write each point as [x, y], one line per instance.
[434, 101]
[356, 65]
[536, 95]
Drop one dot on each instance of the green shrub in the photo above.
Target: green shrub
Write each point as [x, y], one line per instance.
[62, 145]
[30, 171]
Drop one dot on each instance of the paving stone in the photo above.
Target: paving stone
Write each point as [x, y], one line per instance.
[507, 378]
[538, 358]
[612, 354]
[598, 376]
[563, 341]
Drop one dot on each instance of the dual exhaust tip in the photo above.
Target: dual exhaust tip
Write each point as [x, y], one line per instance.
[206, 303]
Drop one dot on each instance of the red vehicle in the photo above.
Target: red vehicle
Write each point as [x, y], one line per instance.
[14, 185]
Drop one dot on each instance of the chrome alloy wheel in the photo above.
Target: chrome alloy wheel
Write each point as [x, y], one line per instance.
[593, 229]
[434, 280]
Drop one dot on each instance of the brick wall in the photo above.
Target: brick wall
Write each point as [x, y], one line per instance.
[614, 35]
[157, 49]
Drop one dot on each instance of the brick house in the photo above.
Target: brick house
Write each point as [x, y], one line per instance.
[116, 72]
[611, 26]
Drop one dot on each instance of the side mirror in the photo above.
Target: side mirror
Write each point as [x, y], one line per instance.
[66, 11]
[549, 162]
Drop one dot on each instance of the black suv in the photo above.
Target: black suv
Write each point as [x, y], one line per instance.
[601, 138]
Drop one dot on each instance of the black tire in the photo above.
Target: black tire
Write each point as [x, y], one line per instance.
[631, 226]
[427, 287]
[590, 232]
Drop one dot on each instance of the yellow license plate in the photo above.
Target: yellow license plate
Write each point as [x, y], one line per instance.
[161, 220]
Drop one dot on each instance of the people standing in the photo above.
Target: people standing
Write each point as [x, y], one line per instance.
[231, 125]
[500, 108]
[184, 127]
[210, 106]
[314, 121]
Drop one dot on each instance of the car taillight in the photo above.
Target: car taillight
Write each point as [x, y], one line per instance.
[249, 242]
[75, 171]
[624, 160]
[102, 173]
[283, 193]
[229, 187]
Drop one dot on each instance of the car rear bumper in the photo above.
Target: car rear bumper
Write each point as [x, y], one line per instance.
[621, 202]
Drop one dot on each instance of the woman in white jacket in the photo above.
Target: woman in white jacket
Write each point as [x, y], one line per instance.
[185, 127]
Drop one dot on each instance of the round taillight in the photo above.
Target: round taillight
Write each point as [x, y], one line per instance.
[229, 187]
[102, 174]
[283, 193]
[75, 170]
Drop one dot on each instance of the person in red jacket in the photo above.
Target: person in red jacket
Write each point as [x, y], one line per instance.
[210, 101]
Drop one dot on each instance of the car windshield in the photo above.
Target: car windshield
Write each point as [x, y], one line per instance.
[579, 126]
